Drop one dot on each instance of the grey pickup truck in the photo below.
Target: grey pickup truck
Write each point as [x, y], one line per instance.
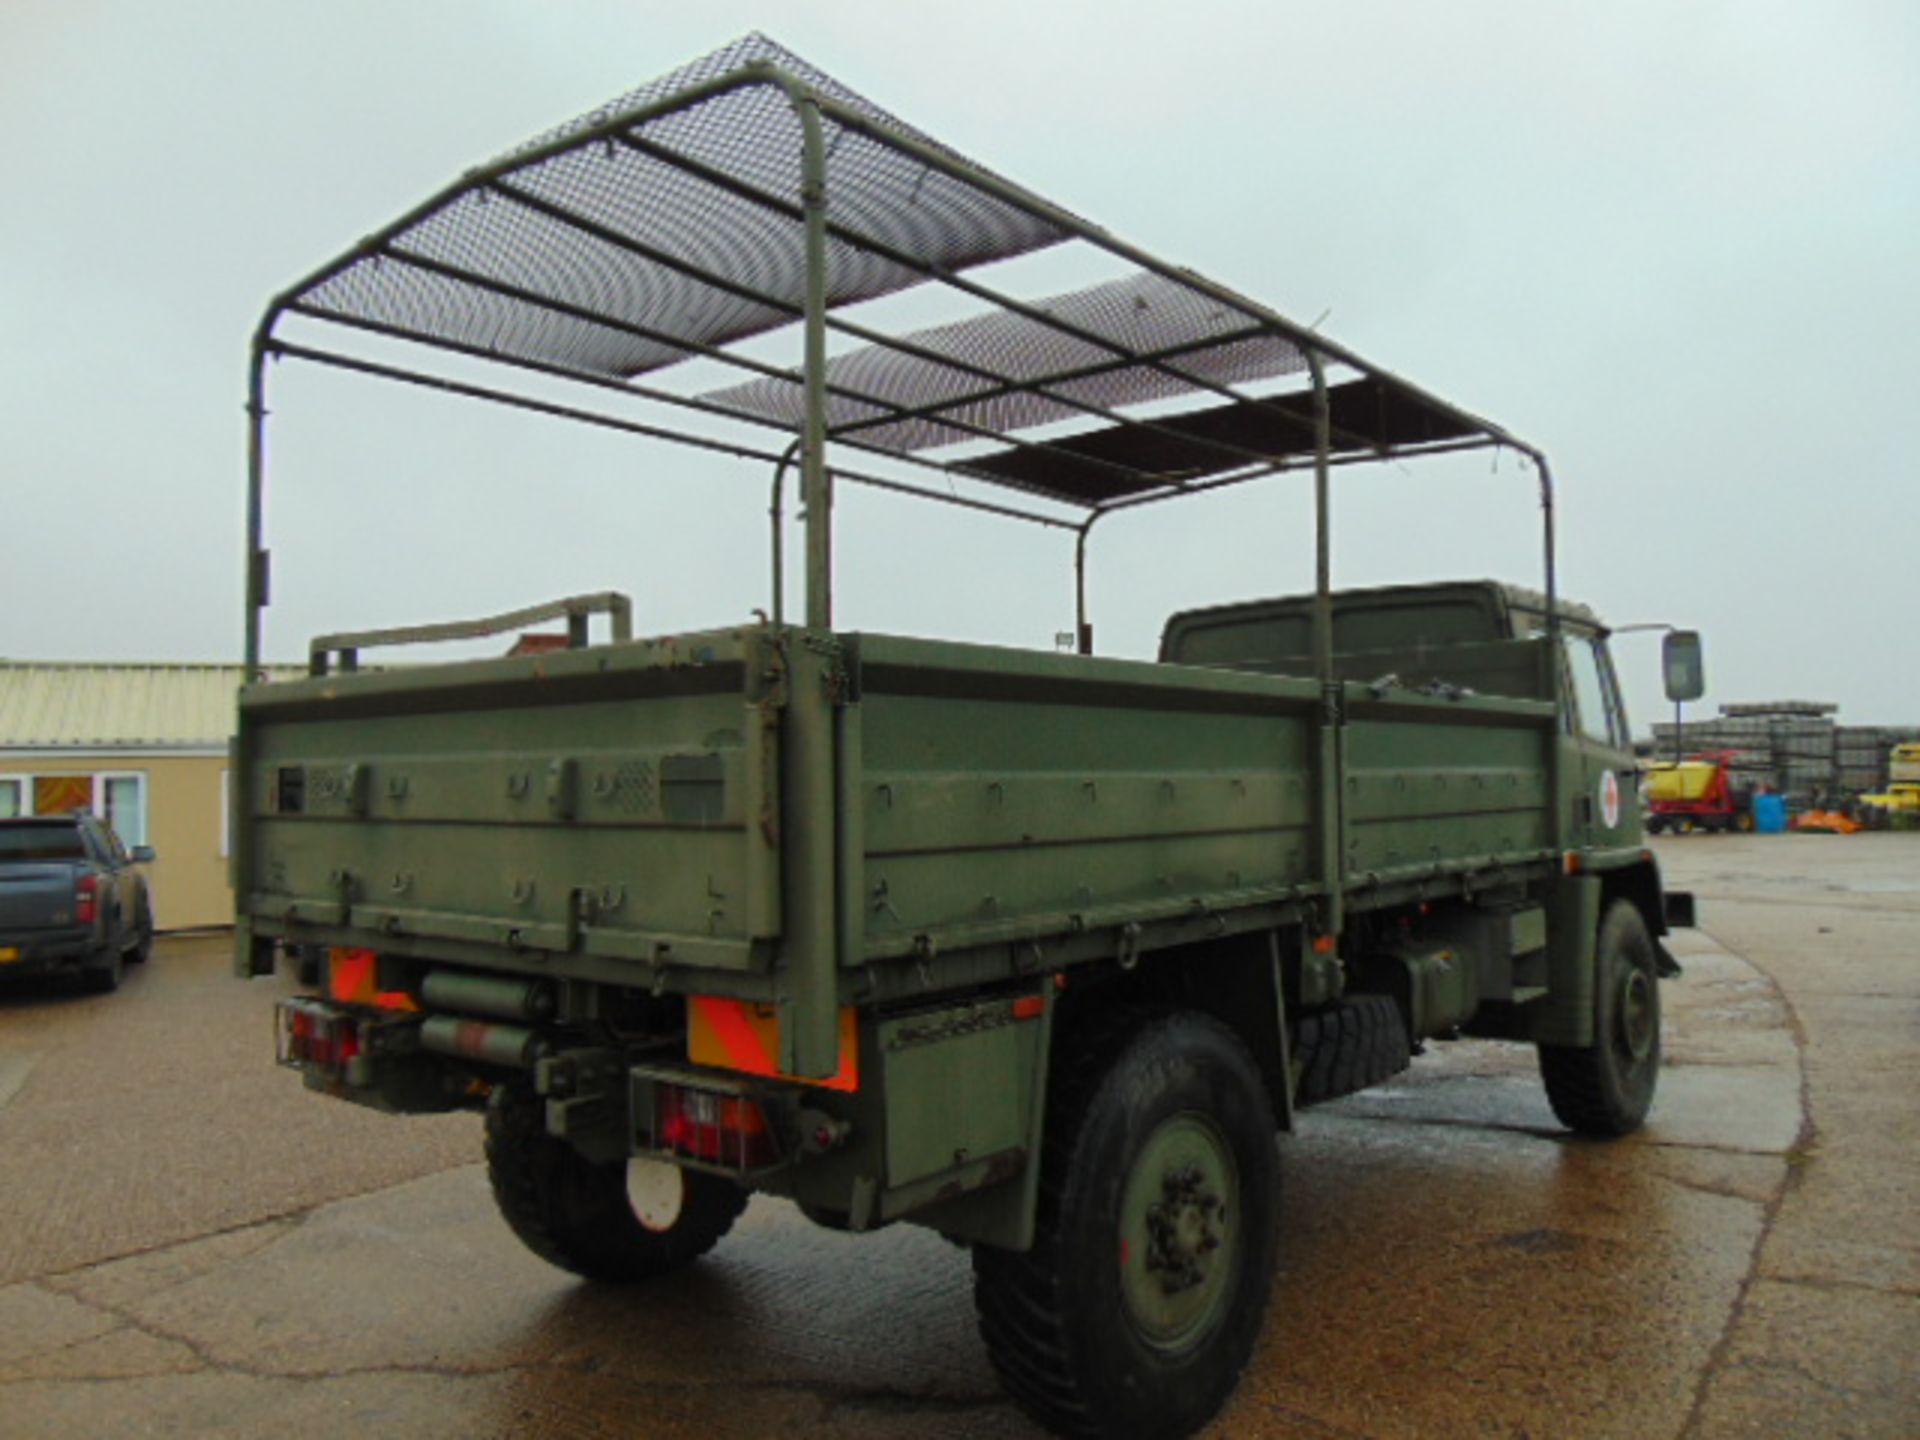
[71, 899]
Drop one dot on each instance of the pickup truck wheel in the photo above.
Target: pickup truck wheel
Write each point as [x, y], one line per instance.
[1606, 1088]
[142, 945]
[105, 973]
[610, 1221]
[1138, 1305]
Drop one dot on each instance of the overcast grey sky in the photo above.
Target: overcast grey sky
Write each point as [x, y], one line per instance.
[1673, 244]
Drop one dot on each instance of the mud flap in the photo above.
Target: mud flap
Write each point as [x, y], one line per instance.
[1664, 965]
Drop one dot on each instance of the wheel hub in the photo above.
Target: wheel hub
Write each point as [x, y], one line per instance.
[1635, 1013]
[1179, 1232]
[1184, 1227]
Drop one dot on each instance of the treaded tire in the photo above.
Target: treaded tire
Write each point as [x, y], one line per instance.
[104, 975]
[1606, 1088]
[1344, 1049]
[577, 1215]
[1061, 1322]
[142, 945]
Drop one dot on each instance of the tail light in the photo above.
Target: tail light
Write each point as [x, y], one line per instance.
[86, 899]
[729, 1130]
[307, 1033]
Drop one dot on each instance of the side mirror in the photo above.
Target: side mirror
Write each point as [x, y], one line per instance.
[1685, 670]
[142, 854]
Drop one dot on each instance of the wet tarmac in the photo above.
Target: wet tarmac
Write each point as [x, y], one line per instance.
[193, 1245]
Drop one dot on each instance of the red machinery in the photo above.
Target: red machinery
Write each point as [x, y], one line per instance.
[1697, 794]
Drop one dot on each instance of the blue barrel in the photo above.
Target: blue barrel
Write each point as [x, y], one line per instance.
[1770, 814]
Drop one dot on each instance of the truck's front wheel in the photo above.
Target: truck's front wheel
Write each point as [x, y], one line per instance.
[1138, 1305]
[589, 1218]
[1606, 1088]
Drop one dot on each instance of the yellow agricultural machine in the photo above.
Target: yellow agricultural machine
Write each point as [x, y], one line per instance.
[1696, 794]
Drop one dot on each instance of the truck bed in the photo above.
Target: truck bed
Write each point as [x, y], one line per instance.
[639, 811]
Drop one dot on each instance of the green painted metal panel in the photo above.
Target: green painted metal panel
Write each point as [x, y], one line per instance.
[1034, 795]
[1565, 1017]
[1007, 793]
[610, 802]
[1471, 789]
[959, 1083]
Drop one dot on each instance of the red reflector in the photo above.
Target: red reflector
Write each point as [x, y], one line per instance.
[721, 1129]
[1029, 1007]
[310, 1036]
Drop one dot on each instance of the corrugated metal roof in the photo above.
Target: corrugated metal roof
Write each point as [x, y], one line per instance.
[70, 705]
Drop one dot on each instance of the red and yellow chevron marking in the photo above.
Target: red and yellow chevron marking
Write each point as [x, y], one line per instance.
[354, 976]
[740, 1035]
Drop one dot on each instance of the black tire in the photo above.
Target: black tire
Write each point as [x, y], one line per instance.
[579, 1216]
[142, 945]
[1606, 1088]
[103, 976]
[1656, 824]
[1135, 1311]
[1347, 1047]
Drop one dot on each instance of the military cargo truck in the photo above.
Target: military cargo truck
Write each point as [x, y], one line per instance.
[1039, 950]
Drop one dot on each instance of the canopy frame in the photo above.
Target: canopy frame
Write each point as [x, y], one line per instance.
[1213, 448]
[526, 263]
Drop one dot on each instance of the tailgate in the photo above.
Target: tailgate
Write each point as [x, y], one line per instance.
[596, 811]
[35, 897]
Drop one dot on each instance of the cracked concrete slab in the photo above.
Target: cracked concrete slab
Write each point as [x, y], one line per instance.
[35, 1322]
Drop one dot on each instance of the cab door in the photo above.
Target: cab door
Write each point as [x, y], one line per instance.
[1605, 789]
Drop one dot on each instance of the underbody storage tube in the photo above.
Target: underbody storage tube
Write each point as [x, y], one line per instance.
[504, 999]
[512, 1045]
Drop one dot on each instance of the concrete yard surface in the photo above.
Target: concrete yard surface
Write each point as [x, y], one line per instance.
[192, 1244]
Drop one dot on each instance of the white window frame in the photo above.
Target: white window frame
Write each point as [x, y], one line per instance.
[139, 777]
[97, 795]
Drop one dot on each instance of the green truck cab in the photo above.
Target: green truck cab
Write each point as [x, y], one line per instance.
[1039, 950]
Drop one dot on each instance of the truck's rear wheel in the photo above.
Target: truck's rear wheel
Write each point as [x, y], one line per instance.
[613, 1221]
[1138, 1305]
[1607, 1087]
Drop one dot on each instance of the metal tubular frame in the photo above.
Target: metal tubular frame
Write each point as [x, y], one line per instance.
[283, 349]
[813, 110]
[279, 349]
[574, 609]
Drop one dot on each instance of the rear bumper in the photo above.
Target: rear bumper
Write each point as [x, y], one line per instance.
[42, 951]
